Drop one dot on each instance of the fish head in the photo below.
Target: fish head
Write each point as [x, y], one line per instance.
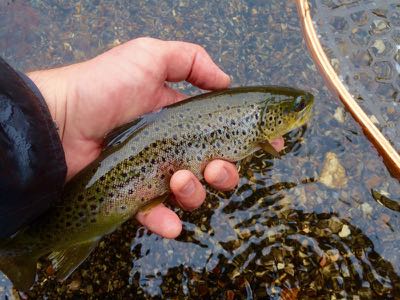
[285, 112]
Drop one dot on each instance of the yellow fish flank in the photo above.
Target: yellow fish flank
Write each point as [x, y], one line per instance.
[137, 163]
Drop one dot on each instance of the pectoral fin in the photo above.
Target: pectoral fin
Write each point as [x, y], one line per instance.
[67, 260]
[147, 207]
[267, 147]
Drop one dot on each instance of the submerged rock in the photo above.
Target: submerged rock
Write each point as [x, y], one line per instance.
[333, 173]
[345, 232]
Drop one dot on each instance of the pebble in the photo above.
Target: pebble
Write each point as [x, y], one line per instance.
[339, 114]
[345, 232]
[380, 46]
[333, 254]
[366, 208]
[74, 285]
[373, 181]
[333, 174]
[374, 119]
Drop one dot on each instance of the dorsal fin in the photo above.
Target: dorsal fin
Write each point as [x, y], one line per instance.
[120, 134]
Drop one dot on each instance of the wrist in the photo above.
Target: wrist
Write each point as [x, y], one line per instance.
[53, 85]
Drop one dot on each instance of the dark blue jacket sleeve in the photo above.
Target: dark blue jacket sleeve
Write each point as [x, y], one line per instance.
[32, 162]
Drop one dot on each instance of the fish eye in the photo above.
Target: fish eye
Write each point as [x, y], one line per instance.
[299, 104]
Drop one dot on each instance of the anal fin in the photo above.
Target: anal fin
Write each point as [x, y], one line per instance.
[147, 207]
[65, 261]
[267, 147]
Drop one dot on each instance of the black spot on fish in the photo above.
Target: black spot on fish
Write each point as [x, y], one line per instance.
[93, 206]
[93, 220]
[130, 191]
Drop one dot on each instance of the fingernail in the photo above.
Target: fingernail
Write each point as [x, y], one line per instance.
[188, 188]
[222, 177]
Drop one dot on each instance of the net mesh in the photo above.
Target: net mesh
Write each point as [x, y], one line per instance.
[362, 40]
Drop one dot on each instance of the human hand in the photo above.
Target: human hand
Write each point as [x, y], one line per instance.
[89, 99]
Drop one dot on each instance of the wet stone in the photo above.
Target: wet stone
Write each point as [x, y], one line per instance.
[333, 173]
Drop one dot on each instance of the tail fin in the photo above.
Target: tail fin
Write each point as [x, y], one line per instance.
[20, 270]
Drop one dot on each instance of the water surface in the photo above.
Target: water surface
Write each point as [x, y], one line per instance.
[282, 232]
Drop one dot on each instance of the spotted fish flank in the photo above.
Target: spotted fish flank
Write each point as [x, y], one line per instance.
[137, 163]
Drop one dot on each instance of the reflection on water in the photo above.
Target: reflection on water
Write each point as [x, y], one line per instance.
[284, 230]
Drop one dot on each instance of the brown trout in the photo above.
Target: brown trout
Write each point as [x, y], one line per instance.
[137, 163]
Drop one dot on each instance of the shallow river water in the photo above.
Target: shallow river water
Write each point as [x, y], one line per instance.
[287, 231]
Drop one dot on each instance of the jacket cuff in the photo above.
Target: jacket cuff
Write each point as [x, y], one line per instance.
[32, 161]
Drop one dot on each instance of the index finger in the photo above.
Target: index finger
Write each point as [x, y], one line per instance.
[190, 62]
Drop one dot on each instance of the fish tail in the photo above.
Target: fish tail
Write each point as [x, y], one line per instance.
[21, 270]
